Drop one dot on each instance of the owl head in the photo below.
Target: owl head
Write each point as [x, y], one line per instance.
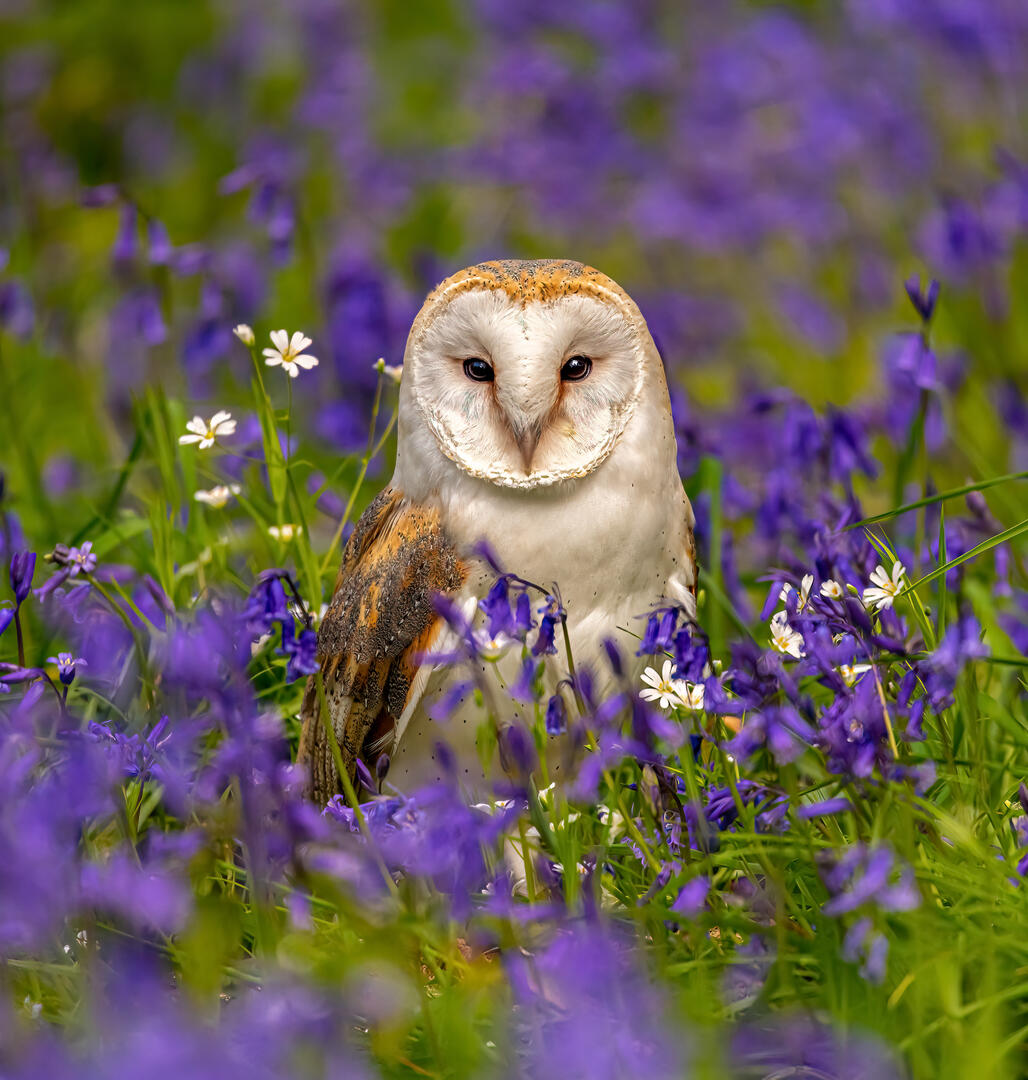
[526, 373]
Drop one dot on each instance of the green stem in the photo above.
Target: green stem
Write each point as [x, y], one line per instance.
[21, 643]
[370, 454]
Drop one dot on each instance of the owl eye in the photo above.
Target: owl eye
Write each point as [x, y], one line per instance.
[478, 369]
[575, 369]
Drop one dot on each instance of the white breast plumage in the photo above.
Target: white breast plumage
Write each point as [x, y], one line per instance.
[534, 415]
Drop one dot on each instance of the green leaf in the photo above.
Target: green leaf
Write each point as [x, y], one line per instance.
[273, 456]
[129, 526]
[979, 549]
[942, 496]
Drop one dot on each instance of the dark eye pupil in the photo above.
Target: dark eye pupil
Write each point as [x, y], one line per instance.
[576, 368]
[478, 369]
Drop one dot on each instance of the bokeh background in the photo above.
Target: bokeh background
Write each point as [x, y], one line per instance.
[762, 178]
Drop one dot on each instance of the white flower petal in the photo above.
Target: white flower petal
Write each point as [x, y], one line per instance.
[280, 339]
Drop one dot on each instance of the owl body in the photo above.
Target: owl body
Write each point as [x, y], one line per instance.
[569, 477]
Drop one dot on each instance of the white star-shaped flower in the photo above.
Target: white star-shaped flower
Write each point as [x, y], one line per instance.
[805, 587]
[207, 432]
[667, 692]
[832, 589]
[883, 588]
[285, 533]
[289, 352]
[783, 637]
[218, 496]
[851, 672]
[492, 648]
[691, 694]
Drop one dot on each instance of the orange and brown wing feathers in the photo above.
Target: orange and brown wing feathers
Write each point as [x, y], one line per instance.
[380, 621]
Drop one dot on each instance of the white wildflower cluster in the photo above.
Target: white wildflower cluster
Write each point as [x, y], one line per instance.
[670, 693]
[217, 497]
[884, 587]
[289, 353]
[879, 594]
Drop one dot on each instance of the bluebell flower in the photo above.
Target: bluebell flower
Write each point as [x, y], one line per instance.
[496, 607]
[923, 299]
[692, 897]
[552, 612]
[524, 687]
[302, 651]
[70, 562]
[960, 645]
[867, 875]
[523, 621]
[785, 733]
[692, 654]
[22, 569]
[66, 666]
[659, 634]
[556, 715]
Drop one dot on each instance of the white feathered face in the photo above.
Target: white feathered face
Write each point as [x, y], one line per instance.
[527, 394]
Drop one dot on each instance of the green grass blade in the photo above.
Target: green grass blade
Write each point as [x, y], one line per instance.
[942, 496]
[979, 549]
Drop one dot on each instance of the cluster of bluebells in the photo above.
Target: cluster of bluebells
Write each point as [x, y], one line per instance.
[869, 881]
[871, 110]
[268, 607]
[142, 755]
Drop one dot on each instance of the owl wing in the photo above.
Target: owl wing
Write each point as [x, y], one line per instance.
[378, 627]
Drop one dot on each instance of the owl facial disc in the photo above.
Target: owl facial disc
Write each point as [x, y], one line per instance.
[527, 373]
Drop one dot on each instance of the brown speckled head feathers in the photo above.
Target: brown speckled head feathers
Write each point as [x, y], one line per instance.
[529, 280]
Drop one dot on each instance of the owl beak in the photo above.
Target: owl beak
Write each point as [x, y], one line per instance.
[528, 440]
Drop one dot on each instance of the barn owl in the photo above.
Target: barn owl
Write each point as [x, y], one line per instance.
[533, 415]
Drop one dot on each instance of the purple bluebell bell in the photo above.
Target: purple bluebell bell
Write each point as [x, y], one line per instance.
[960, 645]
[496, 606]
[659, 634]
[551, 613]
[22, 569]
[923, 299]
[692, 654]
[67, 666]
[556, 715]
[125, 242]
[70, 562]
[523, 621]
[692, 897]
[302, 651]
[867, 947]
[867, 875]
